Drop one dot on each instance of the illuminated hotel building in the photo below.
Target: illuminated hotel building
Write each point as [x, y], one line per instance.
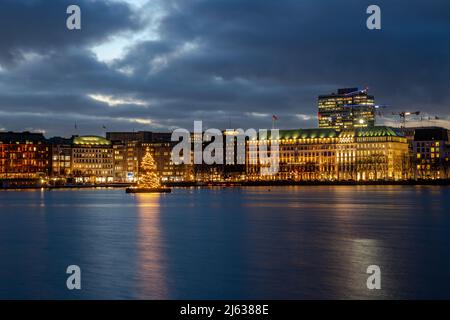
[347, 109]
[92, 160]
[364, 154]
[382, 153]
[23, 156]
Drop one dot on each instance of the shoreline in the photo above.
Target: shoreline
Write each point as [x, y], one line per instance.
[445, 182]
[442, 182]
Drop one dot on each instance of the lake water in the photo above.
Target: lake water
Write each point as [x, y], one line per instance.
[236, 243]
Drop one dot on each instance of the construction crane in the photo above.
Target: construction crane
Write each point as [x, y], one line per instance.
[379, 109]
[404, 115]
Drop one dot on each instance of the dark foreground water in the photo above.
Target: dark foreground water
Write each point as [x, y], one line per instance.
[250, 243]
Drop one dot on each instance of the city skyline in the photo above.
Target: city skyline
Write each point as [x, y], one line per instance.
[378, 115]
[158, 65]
[225, 154]
[321, 155]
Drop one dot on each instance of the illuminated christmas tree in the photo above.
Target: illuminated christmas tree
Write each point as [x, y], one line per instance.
[149, 172]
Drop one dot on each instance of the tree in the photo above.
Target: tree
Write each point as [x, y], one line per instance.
[149, 177]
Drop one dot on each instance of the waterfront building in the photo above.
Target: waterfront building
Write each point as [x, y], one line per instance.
[363, 154]
[431, 151]
[130, 148]
[139, 136]
[92, 160]
[167, 170]
[128, 152]
[126, 156]
[60, 158]
[24, 158]
[232, 162]
[119, 161]
[382, 153]
[304, 154]
[204, 173]
[348, 108]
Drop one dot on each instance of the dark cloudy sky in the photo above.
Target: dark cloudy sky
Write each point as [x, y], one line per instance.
[161, 64]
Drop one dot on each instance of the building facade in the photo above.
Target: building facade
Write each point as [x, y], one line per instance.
[382, 153]
[348, 108]
[61, 158]
[126, 156]
[92, 160]
[323, 154]
[364, 154]
[431, 151]
[168, 171]
[231, 162]
[119, 162]
[24, 156]
[130, 148]
[127, 153]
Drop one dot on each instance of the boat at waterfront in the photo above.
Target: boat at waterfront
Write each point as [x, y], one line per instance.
[148, 190]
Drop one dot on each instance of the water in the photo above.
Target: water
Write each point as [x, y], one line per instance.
[242, 243]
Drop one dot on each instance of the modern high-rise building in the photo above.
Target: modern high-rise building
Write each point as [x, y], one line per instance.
[347, 109]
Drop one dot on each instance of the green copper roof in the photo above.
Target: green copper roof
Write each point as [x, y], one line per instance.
[91, 140]
[380, 131]
[306, 133]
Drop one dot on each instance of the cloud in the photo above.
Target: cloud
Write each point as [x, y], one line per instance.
[305, 117]
[114, 102]
[224, 62]
[257, 114]
[39, 26]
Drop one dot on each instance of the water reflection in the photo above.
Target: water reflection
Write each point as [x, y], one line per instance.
[151, 273]
[240, 243]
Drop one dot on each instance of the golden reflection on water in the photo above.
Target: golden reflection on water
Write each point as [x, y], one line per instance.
[362, 254]
[152, 272]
